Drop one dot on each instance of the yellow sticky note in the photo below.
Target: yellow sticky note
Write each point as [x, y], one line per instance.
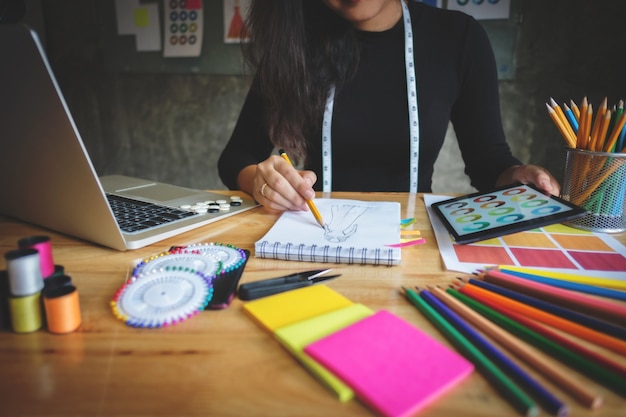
[290, 307]
[141, 17]
[295, 337]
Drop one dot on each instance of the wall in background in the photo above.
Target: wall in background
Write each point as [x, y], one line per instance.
[172, 127]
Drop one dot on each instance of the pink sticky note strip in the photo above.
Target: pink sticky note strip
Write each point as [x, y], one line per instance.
[390, 364]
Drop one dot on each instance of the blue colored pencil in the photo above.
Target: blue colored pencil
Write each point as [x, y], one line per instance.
[574, 286]
[552, 404]
[571, 118]
[566, 313]
[501, 382]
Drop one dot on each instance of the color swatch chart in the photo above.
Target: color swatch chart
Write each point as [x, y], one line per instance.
[502, 208]
[557, 247]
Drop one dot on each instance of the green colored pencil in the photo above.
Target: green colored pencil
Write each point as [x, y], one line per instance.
[591, 369]
[518, 398]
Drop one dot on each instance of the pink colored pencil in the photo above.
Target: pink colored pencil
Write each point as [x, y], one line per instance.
[547, 332]
[592, 305]
[568, 326]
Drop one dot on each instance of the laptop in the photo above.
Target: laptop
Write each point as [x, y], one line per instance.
[46, 175]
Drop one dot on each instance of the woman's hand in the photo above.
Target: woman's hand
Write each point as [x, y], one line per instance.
[277, 185]
[530, 174]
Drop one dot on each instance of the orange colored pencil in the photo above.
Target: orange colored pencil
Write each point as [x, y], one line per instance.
[588, 123]
[612, 310]
[568, 326]
[559, 338]
[619, 125]
[520, 348]
[581, 141]
[597, 125]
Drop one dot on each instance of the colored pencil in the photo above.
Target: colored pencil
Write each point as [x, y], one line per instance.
[574, 286]
[575, 109]
[547, 400]
[566, 313]
[576, 361]
[569, 114]
[591, 305]
[310, 203]
[565, 129]
[581, 139]
[517, 398]
[598, 141]
[523, 350]
[617, 284]
[567, 326]
[612, 139]
[567, 343]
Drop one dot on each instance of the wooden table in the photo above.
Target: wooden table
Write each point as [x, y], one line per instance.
[219, 363]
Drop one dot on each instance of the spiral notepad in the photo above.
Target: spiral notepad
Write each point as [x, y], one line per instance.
[357, 232]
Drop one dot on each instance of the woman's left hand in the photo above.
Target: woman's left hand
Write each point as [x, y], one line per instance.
[530, 174]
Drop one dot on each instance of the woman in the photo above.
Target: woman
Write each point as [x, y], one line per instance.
[360, 93]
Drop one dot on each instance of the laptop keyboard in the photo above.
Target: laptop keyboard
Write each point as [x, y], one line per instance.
[135, 215]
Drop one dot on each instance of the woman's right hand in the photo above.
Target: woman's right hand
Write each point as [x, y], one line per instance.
[277, 185]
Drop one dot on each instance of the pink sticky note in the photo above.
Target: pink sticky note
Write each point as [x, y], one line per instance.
[390, 364]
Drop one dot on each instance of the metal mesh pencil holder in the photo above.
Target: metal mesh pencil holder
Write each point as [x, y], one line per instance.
[596, 181]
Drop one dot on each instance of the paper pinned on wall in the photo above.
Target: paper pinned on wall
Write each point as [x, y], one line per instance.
[482, 10]
[235, 12]
[141, 20]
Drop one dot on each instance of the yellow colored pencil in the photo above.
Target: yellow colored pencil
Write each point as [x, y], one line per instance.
[310, 203]
[617, 284]
[619, 125]
[569, 137]
[581, 140]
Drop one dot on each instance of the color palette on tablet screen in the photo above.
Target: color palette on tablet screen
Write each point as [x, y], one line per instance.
[500, 208]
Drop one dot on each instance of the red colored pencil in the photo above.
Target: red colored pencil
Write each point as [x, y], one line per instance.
[591, 305]
[547, 332]
[567, 326]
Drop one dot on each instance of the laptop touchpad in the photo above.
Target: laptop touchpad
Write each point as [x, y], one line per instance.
[159, 192]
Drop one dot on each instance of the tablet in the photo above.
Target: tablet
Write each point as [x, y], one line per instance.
[506, 210]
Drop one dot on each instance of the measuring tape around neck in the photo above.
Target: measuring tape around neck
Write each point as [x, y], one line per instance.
[411, 87]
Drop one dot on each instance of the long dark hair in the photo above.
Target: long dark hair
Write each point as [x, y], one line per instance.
[298, 50]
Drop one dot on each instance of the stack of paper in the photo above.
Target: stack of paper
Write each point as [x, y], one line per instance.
[388, 363]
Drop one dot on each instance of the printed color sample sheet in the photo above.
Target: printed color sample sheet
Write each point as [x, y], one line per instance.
[555, 247]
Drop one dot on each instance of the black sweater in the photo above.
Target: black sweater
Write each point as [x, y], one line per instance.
[456, 81]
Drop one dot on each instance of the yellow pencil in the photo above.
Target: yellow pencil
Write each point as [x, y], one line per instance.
[619, 125]
[569, 138]
[582, 124]
[598, 142]
[597, 125]
[310, 203]
[567, 128]
[581, 279]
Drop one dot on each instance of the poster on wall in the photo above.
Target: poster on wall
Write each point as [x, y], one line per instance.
[141, 21]
[234, 20]
[482, 9]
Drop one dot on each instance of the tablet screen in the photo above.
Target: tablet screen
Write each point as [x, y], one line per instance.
[506, 210]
